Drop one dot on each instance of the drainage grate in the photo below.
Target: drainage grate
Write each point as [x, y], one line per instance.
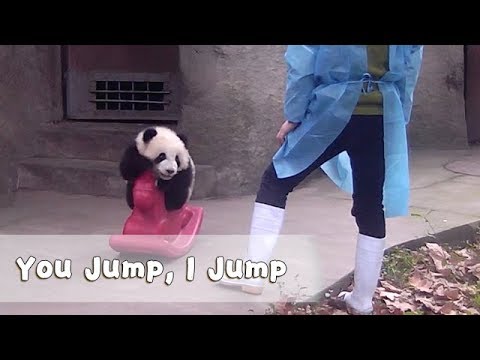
[130, 95]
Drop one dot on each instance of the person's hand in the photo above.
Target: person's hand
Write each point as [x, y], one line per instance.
[284, 130]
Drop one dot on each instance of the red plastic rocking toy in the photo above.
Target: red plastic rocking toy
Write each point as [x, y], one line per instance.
[151, 229]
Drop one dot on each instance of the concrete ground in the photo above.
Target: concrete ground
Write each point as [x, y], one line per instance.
[318, 243]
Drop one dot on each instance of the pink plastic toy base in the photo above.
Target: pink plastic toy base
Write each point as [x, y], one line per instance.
[151, 229]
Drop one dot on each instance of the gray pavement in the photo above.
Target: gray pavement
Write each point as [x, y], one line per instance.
[317, 243]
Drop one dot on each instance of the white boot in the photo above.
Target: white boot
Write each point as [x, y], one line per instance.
[265, 228]
[368, 265]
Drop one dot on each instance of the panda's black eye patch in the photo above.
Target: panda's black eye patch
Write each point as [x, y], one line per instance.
[160, 158]
[177, 159]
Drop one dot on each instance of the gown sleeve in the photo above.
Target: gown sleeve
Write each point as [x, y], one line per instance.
[408, 83]
[300, 61]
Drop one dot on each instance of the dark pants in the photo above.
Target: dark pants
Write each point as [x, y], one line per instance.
[363, 140]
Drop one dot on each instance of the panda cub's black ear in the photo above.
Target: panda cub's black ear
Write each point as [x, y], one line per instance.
[184, 139]
[149, 134]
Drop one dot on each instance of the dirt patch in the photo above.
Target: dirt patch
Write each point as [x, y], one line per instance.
[432, 280]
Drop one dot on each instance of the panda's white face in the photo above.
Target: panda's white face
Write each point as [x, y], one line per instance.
[165, 150]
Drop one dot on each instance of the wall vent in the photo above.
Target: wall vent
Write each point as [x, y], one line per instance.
[130, 95]
[123, 96]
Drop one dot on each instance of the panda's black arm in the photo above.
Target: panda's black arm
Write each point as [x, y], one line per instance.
[176, 194]
[163, 185]
[129, 194]
[132, 164]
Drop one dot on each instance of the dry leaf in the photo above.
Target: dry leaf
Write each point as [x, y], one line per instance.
[443, 282]
[462, 269]
[382, 311]
[466, 289]
[436, 275]
[283, 307]
[452, 294]
[463, 305]
[439, 263]
[472, 262]
[456, 259]
[448, 309]
[446, 273]
[428, 303]
[437, 249]
[389, 287]
[397, 312]
[475, 270]
[440, 291]
[280, 309]
[400, 305]
[464, 253]
[460, 306]
[389, 295]
[408, 294]
[323, 311]
[472, 311]
[438, 255]
[421, 283]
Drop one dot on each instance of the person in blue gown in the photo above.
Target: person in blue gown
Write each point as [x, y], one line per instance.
[346, 108]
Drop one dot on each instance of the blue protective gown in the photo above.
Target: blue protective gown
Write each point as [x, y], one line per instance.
[324, 83]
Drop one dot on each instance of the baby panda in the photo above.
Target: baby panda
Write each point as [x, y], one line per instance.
[164, 152]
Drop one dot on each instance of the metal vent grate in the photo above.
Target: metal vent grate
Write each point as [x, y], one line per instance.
[130, 95]
[124, 96]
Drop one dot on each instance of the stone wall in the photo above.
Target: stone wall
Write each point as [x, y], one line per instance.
[232, 109]
[30, 93]
[438, 118]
